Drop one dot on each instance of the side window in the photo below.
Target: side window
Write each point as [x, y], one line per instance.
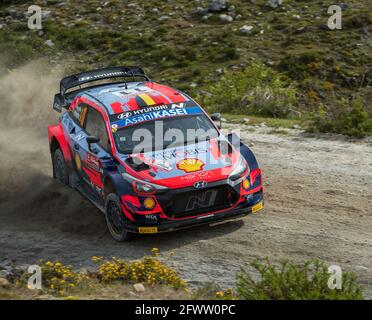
[95, 126]
[79, 113]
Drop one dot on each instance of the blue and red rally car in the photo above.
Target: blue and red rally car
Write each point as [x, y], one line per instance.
[149, 156]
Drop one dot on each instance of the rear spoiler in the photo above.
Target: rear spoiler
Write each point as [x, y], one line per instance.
[76, 80]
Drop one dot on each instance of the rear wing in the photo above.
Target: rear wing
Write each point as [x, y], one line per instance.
[76, 80]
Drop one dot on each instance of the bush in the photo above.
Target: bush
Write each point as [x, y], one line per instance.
[300, 66]
[349, 118]
[292, 282]
[257, 90]
[148, 270]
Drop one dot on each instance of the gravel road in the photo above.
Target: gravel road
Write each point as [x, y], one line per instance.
[318, 205]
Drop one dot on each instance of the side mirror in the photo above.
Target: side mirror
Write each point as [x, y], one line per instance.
[91, 140]
[217, 118]
[58, 103]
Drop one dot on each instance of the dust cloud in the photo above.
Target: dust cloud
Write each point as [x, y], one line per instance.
[29, 197]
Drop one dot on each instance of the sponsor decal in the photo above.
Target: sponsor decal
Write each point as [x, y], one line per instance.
[93, 162]
[153, 113]
[257, 207]
[151, 218]
[162, 164]
[190, 165]
[183, 153]
[114, 128]
[147, 229]
[80, 136]
[150, 109]
[200, 184]
[197, 176]
[103, 75]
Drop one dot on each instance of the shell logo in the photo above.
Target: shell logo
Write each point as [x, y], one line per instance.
[190, 165]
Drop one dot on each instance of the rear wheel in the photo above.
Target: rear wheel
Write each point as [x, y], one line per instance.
[60, 167]
[115, 219]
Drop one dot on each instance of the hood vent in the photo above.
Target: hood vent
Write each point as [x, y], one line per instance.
[137, 165]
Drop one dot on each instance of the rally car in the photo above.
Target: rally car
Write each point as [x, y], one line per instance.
[115, 143]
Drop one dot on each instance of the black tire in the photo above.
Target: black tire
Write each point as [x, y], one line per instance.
[60, 167]
[115, 219]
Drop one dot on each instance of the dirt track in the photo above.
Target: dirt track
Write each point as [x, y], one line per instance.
[319, 197]
[318, 201]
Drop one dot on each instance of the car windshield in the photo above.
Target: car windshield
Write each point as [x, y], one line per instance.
[160, 134]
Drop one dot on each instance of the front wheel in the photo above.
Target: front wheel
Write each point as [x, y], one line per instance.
[115, 219]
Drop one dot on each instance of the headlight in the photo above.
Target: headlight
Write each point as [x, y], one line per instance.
[239, 169]
[142, 187]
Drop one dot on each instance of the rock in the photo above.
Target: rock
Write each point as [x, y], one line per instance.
[4, 283]
[1, 26]
[206, 17]
[193, 85]
[49, 43]
[201, 11]
[155, 10]
[362, 268]
[246, 120]
[226, 18]
[231, 11]
[163, 18]
[246, 29]
[274, 3]
[139, 287]
[46, 297]
[296, 16]
[13, 13]
[296, 126]
[217, 5]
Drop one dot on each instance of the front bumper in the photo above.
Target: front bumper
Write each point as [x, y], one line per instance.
[239, 211]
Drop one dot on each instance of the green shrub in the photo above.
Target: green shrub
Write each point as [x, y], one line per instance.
[301, 65]
[349, 118]
[292, 282]
[257, 90]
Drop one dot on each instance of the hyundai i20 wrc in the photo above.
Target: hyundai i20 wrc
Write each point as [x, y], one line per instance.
[148, 156]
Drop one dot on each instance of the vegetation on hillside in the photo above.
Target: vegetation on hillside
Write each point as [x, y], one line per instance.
[304, 70]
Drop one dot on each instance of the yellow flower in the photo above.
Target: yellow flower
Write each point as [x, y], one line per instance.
[154, 252]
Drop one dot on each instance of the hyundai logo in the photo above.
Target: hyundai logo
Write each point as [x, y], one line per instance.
[124, 115]
[200, 184]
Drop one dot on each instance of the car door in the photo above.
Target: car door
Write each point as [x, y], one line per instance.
[89, 164]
